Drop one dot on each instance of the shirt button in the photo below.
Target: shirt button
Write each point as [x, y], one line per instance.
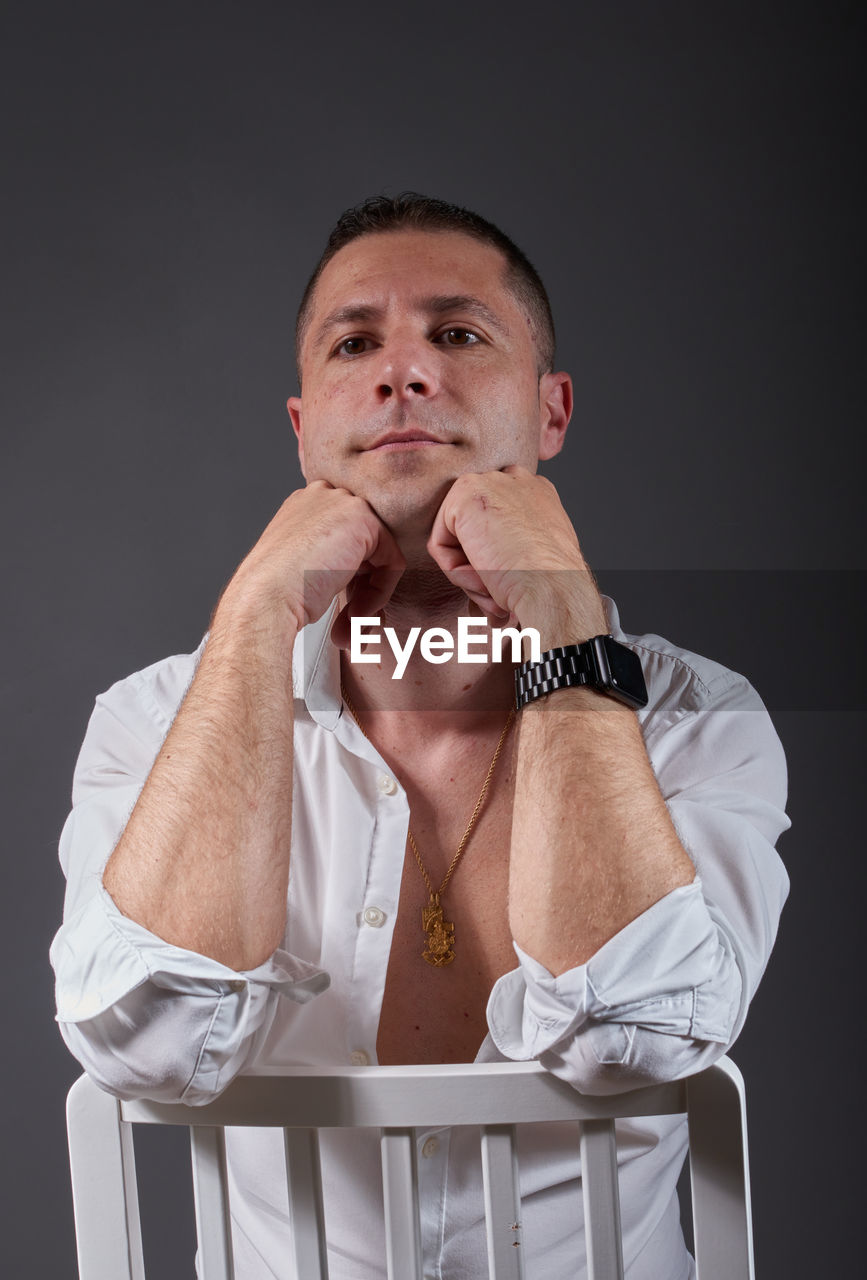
[359, 1058]
[387, 785]
[374, 917]
[430, 1148]
[237, 984]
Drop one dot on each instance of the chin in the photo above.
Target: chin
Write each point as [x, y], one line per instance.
[407, 508]
[406, 519]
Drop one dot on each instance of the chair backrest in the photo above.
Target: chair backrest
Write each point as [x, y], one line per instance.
[398, 1100]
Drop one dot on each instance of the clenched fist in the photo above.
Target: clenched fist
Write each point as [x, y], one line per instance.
[504, 538]
[321, 540]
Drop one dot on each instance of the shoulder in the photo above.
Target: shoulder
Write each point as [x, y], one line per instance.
[707, 730]
[682, 684]
[130, 720]
[157, 690]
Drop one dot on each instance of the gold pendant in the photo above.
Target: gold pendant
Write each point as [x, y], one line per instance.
[440, 949]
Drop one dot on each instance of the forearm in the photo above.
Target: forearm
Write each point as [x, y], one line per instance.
[592, 844]
[204, 859]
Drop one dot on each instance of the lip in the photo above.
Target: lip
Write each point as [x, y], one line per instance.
[409, 439]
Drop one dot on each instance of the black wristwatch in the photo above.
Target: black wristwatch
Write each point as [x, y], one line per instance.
[601, 663]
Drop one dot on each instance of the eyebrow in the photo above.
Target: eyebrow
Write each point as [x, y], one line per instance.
[435, 305]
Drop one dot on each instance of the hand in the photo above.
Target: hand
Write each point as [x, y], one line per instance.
[321, 540]
[505, 540]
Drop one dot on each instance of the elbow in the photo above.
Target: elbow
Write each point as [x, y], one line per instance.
[165, 1047]
[661, 1002]
[664, 1039]
[130, 1070]
[153, 1044]
[651, 1058]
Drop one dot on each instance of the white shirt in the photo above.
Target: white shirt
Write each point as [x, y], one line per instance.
[662, 999]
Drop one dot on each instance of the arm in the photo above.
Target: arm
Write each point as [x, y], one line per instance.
[670, 992]
[592, 843]
[204, 860]
[153, 998]
[145, 1018]
[632, 968]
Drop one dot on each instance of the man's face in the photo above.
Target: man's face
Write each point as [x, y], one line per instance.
[419, 364]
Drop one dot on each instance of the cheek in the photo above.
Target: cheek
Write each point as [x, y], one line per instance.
[334, 403]
[325, 414]
[512, 423]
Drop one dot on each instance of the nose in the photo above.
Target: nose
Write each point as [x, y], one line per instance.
[407, 370]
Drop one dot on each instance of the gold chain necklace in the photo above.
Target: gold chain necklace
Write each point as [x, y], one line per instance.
[440, 941]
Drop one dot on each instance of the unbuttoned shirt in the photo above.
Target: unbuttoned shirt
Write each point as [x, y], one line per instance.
[662, 999]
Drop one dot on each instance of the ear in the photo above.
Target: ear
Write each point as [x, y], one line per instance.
[555, 410]
[293, 404]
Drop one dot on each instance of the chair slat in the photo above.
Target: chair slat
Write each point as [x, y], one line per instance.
[502, 1202]
[400, 1193]
[104, 1190]
[601, 1193]
[720, 1174]
[211, 1193]
[306, 1212]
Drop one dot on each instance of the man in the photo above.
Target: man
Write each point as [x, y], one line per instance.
[557, 914]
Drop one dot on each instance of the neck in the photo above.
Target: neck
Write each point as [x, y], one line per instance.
[424, 597]
[471, 691]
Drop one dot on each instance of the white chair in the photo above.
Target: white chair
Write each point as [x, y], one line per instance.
[398, 1100]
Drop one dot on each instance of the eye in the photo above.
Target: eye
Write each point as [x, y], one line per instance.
[351, 347]
[458, 337]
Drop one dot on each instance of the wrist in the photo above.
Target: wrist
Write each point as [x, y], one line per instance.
[568, 624]
[247, 619]
[253, 595]
[600, 664]
[564, 606]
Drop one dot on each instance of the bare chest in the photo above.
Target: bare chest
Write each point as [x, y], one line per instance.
[435, 1012]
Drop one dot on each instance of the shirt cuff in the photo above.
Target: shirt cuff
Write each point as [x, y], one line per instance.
[669, 971]
[100, 955]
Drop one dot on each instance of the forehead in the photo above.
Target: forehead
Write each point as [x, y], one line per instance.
[390, 255]
[399, 267]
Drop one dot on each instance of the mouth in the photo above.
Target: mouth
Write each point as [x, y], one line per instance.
[409, 439]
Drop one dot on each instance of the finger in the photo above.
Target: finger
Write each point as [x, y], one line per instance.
[490, 608]
[443, 544]
[465, 577]
[370, 595]
[373, 584]
[445, 548]
[385, 551]
[387, 565]
[375, 591]
[449, 558]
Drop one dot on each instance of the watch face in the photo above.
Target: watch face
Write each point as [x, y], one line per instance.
[626, 674]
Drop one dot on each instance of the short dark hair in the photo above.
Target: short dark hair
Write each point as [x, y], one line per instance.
[409, 210]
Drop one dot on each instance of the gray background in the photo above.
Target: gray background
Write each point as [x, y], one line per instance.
[688, 180]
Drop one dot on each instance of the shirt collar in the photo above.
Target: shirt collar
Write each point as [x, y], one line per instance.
[316, 670]
[612, 614]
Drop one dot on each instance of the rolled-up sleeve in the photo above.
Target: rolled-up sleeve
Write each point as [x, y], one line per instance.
[145, 1018]
[669, 993]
